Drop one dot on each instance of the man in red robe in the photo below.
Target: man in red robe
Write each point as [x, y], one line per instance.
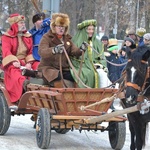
[16, 52]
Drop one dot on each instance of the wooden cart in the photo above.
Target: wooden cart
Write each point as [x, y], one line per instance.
[64, 109]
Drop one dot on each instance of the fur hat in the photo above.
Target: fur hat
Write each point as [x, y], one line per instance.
[14, 18]
[37, 17]
[60, 19]
[130, 31]
[140, 32]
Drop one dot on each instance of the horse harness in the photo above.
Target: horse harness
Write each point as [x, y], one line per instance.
[135, 86]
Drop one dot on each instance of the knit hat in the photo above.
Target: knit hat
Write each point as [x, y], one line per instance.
[60, 19]
[37, 17]
[133, 44]
[115, 47]
[130, 40]
[86, 23]
[140, 32]
[147, 36]
[104, 37]
[14, 18]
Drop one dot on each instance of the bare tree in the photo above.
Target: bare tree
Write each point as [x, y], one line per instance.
[78, 11]
[129, 15]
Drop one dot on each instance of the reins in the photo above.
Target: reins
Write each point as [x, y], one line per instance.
[81, 62]
[61, 74]
[118, 65]
[114, 64]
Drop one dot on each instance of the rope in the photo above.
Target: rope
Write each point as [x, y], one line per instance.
[106, 59]
[76, 75]
[61, 74]
[81, 65]
[116, 64]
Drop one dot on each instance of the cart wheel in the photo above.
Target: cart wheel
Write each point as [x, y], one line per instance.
[43, 128]
[117, 134]
[62, 131]
[5, 115]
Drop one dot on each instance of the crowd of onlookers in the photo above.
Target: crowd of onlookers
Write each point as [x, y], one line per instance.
[131, 41]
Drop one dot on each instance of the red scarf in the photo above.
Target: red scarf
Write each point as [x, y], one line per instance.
[59, 36]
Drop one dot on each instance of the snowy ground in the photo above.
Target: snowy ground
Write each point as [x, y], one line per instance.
[21, 135]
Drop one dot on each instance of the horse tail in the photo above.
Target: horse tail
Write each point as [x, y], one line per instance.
[144, 129]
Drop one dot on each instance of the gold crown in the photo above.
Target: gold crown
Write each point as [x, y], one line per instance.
[140, 32]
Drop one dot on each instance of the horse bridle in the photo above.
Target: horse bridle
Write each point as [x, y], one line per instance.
[135, 86]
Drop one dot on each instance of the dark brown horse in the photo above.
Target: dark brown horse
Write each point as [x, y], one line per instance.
[137, 82]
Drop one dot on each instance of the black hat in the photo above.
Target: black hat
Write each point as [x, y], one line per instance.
[123, 48]
[104, 37]
[37, 17]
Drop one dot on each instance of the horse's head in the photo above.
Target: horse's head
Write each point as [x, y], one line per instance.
[136, 72]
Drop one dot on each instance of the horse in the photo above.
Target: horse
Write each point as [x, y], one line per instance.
[137, 82]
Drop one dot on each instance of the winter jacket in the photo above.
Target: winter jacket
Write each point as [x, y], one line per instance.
[113, 71]
[37, 35]
[49, 64]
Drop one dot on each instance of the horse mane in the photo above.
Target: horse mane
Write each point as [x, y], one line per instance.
[141, 53]
[136, 58]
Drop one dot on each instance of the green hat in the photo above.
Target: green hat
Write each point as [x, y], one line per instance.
[86, 23]
[113, 48]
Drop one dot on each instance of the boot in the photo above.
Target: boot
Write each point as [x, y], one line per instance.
[34, 126]
[34, 117]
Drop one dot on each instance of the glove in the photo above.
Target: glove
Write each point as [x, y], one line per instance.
[46, 22]
[58, 49]
[83, 46]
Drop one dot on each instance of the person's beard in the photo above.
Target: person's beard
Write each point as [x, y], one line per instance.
[22, 29]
